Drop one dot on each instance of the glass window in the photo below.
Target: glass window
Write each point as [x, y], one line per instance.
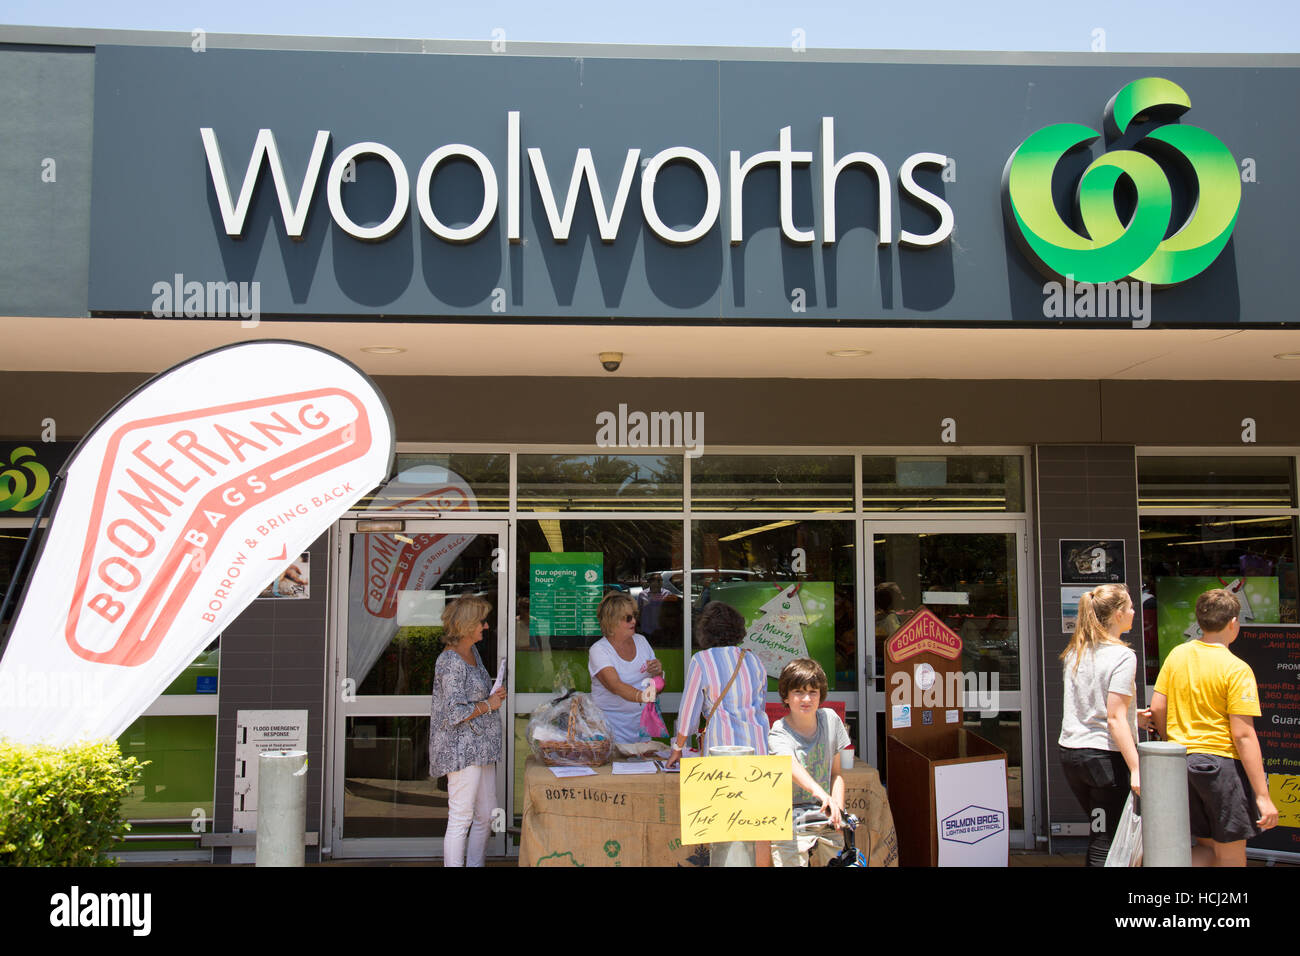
[1228, 482]
[943, 483]
[968, 579]
[387, 791]
[565, 567]
[753, 565]
[600, 482]
[12, 542]
[436, 481]
[822, 483]
[399, 585]
[1182, 557]
[1003, 729]
[178, 780]
[200, 676]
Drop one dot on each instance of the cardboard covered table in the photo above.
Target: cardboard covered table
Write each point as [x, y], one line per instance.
[634, 819]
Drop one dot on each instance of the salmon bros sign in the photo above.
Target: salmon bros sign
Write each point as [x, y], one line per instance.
[184, 502]
[295, 199]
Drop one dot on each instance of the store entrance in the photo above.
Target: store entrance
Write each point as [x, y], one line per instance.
[394, 578]
[972, 575]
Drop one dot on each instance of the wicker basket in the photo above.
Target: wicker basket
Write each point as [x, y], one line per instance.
[573, 752]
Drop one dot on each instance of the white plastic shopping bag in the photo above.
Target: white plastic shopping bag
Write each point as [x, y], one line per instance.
[1126, 848]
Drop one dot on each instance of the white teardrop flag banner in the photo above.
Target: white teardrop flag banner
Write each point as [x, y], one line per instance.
[183, 503]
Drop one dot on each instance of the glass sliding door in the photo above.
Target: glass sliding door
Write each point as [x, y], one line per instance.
[971, 574]
[394, 579]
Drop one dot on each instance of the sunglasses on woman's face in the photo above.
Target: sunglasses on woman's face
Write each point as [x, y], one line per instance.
[629, 618]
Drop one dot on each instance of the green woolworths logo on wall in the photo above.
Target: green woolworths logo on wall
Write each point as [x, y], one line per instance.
[1111, 249]
[24, 482]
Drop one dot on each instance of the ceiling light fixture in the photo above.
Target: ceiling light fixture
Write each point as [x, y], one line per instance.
[383, 350]
[848, 353]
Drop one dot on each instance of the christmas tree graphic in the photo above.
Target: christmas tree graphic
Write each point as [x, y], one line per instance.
[1246, 615]
[776, 636]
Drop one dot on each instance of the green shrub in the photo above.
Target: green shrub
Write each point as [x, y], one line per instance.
[63, 807]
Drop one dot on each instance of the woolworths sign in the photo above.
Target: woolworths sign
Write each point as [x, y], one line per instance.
[609, 201]
[683, 191]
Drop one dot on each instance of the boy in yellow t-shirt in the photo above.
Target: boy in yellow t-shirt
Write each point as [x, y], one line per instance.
[1206, 699]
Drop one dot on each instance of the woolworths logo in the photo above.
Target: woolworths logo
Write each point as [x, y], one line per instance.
[1110, 247]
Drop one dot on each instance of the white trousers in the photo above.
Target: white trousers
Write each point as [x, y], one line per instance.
[471, 796]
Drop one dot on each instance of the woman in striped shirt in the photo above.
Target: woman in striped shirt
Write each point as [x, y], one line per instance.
[738, 706]
[741, 718]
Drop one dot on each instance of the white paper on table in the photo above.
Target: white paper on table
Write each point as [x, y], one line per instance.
[675, 768]
[665, 753]
[501, 675]
[573, 771]
[635, 766]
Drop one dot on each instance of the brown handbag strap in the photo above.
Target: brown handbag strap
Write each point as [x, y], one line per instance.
[718, 703]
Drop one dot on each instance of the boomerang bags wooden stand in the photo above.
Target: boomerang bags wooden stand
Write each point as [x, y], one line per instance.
[947, 785]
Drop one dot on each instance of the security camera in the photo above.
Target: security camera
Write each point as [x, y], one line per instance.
[611, 360]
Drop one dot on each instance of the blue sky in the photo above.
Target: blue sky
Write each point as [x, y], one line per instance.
[1134, 26]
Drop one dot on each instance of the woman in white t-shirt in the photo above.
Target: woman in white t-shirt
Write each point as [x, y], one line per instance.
[618, 664]
[1098, 728]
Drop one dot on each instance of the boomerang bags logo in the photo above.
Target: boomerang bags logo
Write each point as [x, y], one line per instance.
[924, 633]
[1110, 248]
[175, 485]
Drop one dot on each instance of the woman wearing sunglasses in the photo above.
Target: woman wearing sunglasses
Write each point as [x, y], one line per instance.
[618, 663]
[465, 731]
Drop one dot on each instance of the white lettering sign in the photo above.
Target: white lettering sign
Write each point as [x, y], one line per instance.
[560, 218]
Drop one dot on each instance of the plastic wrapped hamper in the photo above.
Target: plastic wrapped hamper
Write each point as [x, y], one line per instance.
[570, 731]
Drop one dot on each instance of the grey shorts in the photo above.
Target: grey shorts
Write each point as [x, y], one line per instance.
[803, 851]
[1220, 802]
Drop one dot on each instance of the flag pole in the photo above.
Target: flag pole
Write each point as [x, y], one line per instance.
[16, 582]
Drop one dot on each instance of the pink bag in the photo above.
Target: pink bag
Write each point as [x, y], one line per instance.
[652, 719]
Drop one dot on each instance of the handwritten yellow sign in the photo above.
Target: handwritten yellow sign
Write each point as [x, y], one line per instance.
[736, 798]
[1284, 791]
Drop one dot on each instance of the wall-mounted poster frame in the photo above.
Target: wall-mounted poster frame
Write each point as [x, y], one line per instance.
[1092, 561]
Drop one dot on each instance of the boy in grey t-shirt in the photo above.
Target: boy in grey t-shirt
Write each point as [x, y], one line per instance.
[813, 737]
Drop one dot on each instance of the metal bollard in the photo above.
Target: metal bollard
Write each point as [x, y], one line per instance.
[1166, 832]
[281, 808]
[739, 853]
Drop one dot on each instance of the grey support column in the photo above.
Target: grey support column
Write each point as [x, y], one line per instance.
[738, 853]
[281, 808]
[1166, 833]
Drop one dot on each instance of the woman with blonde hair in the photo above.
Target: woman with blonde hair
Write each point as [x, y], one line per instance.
[464, 731]
[1099, 730]
[618, 663]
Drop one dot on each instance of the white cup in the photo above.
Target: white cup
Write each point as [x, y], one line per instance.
[846, 758]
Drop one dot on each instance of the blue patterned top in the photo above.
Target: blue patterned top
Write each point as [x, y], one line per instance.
[454, 741]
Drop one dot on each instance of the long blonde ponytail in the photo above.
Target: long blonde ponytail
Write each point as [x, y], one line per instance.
[1096, 610]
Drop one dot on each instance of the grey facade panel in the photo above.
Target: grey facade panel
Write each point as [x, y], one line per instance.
[264, 669]
[1199, 413]
[46, 108]
[809, 412]
[1106, 509]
